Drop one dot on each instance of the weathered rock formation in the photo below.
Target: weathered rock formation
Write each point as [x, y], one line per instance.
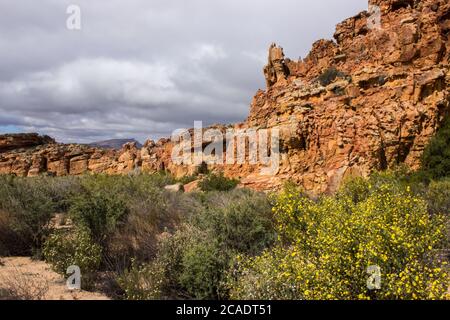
[276, 70]
[369, 100]
[22, 140]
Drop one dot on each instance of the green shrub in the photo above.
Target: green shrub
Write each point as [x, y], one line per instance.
[401, 177]
[436, 156]
[11, 242]
[217, 182]
[159, 278]
[196, 256]
[204, 263]
[186, 266]
[59, 190]
[171, 250]
[194, 263]
[100, 213]
[64, 249]
[145, 282]
[25, 214]
[327, 246]
[241, 220]
[149, 215]
[235, 222]
[187, 179]
[329, 75]
[438, 197]
[125, 185]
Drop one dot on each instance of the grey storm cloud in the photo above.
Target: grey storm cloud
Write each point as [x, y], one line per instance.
[142, 68]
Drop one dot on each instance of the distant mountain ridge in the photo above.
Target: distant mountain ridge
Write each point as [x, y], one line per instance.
[114, 143]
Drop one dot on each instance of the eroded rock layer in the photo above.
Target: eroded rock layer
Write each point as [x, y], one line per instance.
[369, 100]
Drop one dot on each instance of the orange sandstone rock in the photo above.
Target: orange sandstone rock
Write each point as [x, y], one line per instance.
[369, 100]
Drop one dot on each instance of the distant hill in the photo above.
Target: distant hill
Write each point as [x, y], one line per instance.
[113, 143]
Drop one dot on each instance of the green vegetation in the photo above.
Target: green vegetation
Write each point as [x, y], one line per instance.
[25, 214]
[436, 157]
[193, 261]
[226, 243]
[327, 245]
[217, 182]
[64, 249]
[329, 75]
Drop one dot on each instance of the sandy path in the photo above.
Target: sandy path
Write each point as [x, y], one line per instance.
[35, 278]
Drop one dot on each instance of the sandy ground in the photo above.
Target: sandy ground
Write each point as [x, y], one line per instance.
[36, 279]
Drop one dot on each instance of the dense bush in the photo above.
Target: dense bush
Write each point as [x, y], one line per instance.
[217, 182]
[100, 213]
[187, 179]
[204, 263]
[143, 282]
[197, 256]
[327, 245]
[60, 190]
[124, 214]
[241, 220]
[64, 249]
[159, 278]
[438, 197]
[436, 156]
[10, 240]
[236, 243]
[150, 214]
[25, 214]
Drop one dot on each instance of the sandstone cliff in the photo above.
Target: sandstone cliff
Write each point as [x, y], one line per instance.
[368, 100]
[22, 140]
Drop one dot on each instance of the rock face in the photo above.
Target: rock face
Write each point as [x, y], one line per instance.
[22, 140]
[369, 100]
[113, 143]
[276, 69]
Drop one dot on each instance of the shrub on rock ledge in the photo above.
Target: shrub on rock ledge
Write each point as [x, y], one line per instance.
[217, 182]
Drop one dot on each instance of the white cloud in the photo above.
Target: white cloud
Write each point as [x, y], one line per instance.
[143, 68]
[207, 51]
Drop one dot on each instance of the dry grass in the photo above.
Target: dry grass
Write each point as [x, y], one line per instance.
[22, 278]
[18, 286]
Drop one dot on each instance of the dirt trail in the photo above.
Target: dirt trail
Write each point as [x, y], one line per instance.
[36, 280]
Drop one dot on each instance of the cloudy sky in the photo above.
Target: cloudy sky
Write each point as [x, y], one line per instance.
[142, 68]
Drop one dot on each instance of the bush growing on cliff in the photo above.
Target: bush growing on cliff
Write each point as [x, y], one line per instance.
[327, 245]
[217, 182]
[436, 156]
[329, 75]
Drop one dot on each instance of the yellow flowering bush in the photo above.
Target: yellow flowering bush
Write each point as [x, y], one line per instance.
[326, 246]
